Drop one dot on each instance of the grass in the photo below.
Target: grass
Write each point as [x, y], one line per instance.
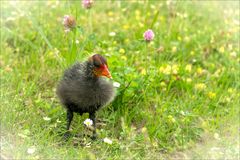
[174, 90]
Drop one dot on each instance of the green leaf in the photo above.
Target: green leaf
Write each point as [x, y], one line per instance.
[155, 19]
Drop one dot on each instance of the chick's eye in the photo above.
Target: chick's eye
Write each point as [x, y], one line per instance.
[96, 64]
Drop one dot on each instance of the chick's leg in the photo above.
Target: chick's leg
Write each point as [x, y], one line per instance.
[69, 120]
[92, 116]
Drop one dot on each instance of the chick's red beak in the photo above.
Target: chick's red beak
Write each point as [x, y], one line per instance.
[105, 72]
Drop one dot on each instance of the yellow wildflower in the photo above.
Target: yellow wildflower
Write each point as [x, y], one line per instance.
[110, 13]
[179, 38]
[211, 95]
[124, 58]
[126, 40]
[141, 24]
[137, 12]
[143, 71]
[217, 73]
[162, 19]
[187, 39]
[188, 80]
[188, 68]
[200, 86]
[204, 124]
[174, 69]
[221, 49]
[167, 70]
[199, 71]
[174, 49]
[137, 17]
[228, 99]
[144, 129]
[153, 7]
[126, 26]
[161, 69]
[230, 47]
[230, 90]
[164, 89]
[162, 84]
[155, 144]
[122, 50]
[192, 53]
[171, 119]
[212, 40]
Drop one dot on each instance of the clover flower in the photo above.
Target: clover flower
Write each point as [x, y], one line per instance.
[31, 150]
[107, 140]
[46, 118]
[211, 95]
[87, 4]
[116, 84]
[200, 86]
[174, 49]
[148, 35]
[68, 23]
[188, 68]
[88, 122]
[112, 34]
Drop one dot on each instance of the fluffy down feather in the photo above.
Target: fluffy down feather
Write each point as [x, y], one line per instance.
[80, 91]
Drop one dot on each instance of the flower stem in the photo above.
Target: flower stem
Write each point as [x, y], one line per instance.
[73, 46]
[146, 55]
[90, 21]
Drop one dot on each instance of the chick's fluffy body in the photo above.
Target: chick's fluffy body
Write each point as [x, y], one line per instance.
[80, 91]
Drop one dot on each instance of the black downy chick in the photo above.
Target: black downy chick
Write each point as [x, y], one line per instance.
[83, 90]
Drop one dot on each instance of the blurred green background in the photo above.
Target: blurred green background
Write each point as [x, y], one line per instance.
[179, 94]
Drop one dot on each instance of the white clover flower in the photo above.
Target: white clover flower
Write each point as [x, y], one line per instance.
[216, 136]
[77, 41]
[88, 122]
[116, 84]
[107, 140]
[233, 54]
[31, 150]
[182, 113]
[112, 34]
[46, 118]
[67, 30]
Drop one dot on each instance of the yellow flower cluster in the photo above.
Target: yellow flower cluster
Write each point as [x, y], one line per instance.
[143, 71]
[211, 95]
[169, 69]
[171, 119]
[122, 50]
[221, 49]
[174, 49]
[200, 86]
[188, 68]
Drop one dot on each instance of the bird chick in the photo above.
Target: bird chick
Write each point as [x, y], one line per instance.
[84, 90]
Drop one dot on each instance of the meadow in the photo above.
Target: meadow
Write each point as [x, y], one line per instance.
[178, 94]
